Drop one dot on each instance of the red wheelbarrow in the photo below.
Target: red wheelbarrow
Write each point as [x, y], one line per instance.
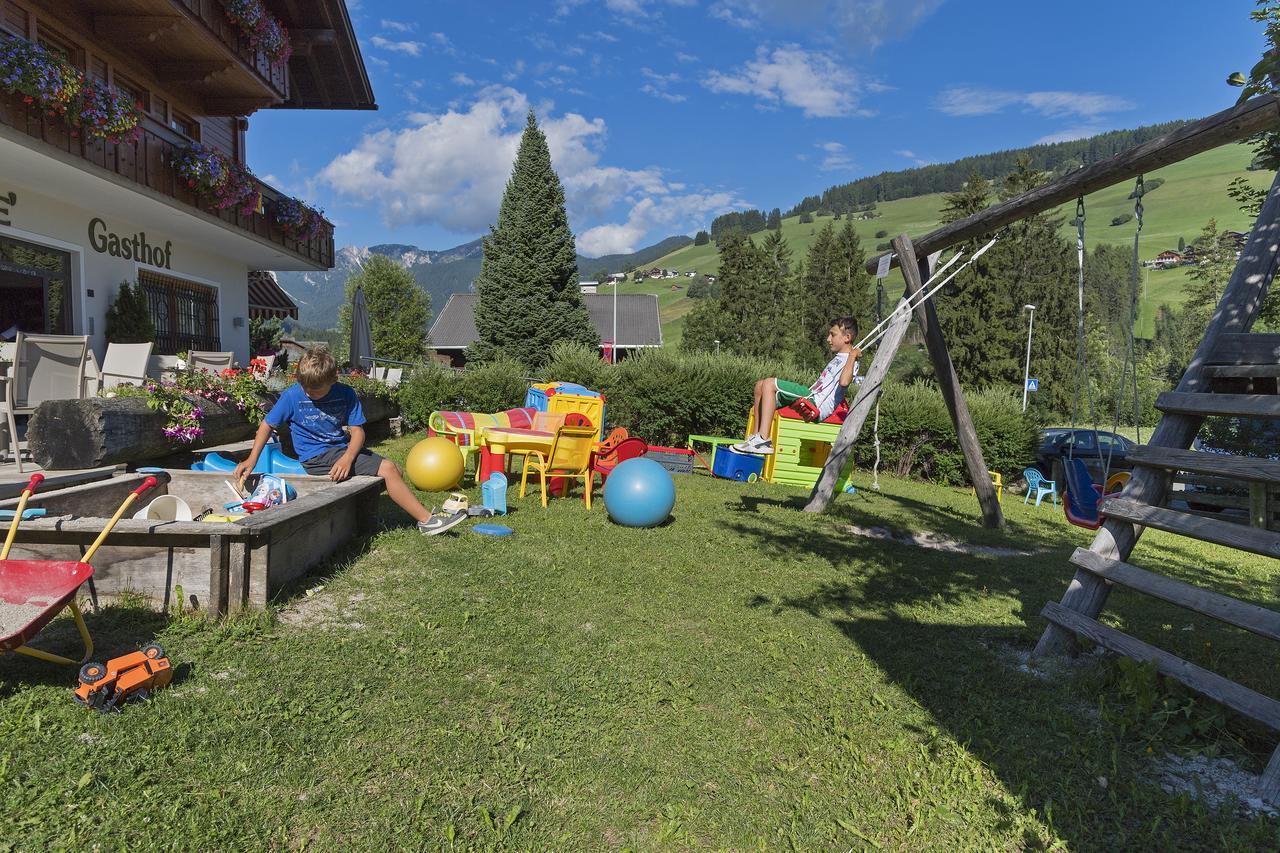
[33, 592]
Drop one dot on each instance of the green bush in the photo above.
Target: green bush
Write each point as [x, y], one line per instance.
[882, 233]
[1121, 219]
[664, 396]
[917, 438]
[129, 318]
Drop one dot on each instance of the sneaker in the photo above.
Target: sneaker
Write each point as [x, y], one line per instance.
[439, 523]
[748, 446]
[763, 448]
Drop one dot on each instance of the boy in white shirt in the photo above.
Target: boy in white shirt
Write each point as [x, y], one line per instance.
[824, 394]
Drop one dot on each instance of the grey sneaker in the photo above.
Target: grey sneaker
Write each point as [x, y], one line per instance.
[440, 522]
[748, 446]
[763, 448]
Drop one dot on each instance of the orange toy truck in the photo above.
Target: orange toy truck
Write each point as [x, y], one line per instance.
[130, 677]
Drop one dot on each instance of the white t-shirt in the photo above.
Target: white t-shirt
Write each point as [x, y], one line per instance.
[827, 391]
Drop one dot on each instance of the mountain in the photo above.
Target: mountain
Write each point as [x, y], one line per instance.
[441, 274]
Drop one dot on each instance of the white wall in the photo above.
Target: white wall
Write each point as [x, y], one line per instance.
[59, 223]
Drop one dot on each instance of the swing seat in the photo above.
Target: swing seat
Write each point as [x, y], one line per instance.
[1082, 498]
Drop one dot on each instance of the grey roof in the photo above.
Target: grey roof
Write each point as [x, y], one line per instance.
[638, 322]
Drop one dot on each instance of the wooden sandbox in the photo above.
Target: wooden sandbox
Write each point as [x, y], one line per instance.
[221, 566]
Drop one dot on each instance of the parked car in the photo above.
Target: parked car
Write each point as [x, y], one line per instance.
[1093, 446]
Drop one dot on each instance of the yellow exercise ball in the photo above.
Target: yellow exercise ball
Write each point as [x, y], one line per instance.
[434, 464]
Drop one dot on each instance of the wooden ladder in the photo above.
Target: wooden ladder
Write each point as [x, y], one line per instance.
[1232, 374]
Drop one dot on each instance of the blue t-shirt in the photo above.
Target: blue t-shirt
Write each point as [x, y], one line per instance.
[316, 425]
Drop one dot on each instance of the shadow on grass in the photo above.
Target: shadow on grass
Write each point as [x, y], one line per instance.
[1031, 733]
[116, 629]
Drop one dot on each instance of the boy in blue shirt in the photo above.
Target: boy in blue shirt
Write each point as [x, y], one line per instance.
[316, 408]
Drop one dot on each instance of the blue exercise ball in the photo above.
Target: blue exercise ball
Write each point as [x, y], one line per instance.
[639, 493]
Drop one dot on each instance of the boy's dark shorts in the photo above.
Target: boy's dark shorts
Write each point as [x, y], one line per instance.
[366, 464]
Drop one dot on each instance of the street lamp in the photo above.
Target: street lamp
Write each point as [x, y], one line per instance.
[1026, 371]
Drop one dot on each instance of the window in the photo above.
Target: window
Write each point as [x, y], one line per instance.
[160, 108]
[13, 21]
[98, 69]
[35, 288]
[185, 314]
[62, 47]
[136, 93]
[185, 125]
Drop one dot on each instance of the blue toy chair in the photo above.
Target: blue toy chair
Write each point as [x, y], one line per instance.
[1035, 480]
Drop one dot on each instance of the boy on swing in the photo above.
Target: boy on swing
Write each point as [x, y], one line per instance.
[823, 395]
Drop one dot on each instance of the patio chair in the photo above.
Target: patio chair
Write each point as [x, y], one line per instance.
[569, 458]
[998, 482]
[124, 364]
[269, 361]
[1036, 482]
[162, 366]
[45, 367]
[393, 376]
[214, 362]
[92, 375]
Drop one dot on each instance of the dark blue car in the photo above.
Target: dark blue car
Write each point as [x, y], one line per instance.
[1093, 446]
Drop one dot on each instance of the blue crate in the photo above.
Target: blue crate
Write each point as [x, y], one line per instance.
[728, 464]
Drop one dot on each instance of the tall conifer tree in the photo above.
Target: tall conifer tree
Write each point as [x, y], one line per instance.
[528, 283]
[833, 283]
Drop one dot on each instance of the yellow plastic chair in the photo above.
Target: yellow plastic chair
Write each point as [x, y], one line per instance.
[569, 457]
[998, 482]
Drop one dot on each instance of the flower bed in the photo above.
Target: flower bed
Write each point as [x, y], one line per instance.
[260, 28]
[182, 398]
[218, 178]
[299, 220]
[46, 80]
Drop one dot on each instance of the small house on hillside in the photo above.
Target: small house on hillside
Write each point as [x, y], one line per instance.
[1166, 259]
[588, 286]
[639, 325]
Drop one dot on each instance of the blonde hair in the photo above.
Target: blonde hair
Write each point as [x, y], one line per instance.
[317, 368]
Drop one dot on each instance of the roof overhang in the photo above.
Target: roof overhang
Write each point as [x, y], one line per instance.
[267, 299]
[327, 70]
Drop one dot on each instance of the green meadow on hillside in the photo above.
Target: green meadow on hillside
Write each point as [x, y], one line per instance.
[1193, 191]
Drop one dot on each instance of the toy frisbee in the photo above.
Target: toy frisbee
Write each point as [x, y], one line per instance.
[493, 529]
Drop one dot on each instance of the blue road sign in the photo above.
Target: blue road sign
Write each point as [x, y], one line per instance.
[1033, 384]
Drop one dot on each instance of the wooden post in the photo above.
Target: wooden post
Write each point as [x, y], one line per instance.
[949, 383]
[868, 393]
[1235, 312]
[218, 577]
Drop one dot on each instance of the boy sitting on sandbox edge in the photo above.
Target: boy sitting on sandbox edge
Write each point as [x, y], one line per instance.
[316, 408]
[824, 394]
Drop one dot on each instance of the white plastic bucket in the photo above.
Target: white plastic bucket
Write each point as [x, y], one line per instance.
[165, 508]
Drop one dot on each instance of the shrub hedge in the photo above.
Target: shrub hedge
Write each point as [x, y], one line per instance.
[665, 395]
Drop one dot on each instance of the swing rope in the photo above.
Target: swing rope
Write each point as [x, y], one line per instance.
[875, 428]
[919, 297]
[1082, 357]
[1130, 355]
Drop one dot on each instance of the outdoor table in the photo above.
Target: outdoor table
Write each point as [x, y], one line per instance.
[713, 440]
[497, 442]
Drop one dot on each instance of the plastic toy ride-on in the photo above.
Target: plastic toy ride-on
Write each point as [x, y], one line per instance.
[128, 678]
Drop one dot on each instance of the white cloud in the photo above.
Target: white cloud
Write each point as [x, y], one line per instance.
[411, 48]
[658, 86]
[862, 23]
[837, 159]
[681, 56]
[672, 213]
[977, 101]
[450, 169]
[514, 70]
[397, 26]
[911, 155]
[1070, 133]
[791, 75]
[461, 79]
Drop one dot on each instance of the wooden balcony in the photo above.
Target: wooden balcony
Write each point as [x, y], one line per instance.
[189, 44]
[148, 163]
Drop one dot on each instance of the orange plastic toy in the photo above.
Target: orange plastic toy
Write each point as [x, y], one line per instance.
[128, 678]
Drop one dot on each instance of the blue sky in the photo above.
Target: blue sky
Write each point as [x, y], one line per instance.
[662, 114]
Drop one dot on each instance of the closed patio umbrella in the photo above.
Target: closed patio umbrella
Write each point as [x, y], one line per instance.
[360, 348]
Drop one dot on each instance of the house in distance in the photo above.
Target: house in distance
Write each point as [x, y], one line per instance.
[133, 169]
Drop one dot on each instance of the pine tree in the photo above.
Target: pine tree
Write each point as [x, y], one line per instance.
[129, 318]
[774, 222]
[528, 284]
[834, 283]
[1215, 259]
[969, 199]
[702, 238]
[399, 310]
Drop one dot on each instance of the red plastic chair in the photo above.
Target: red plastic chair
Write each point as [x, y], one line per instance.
[628, 448]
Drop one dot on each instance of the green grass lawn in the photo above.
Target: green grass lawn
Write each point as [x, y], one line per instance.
[746, 676]
[1194, 190]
